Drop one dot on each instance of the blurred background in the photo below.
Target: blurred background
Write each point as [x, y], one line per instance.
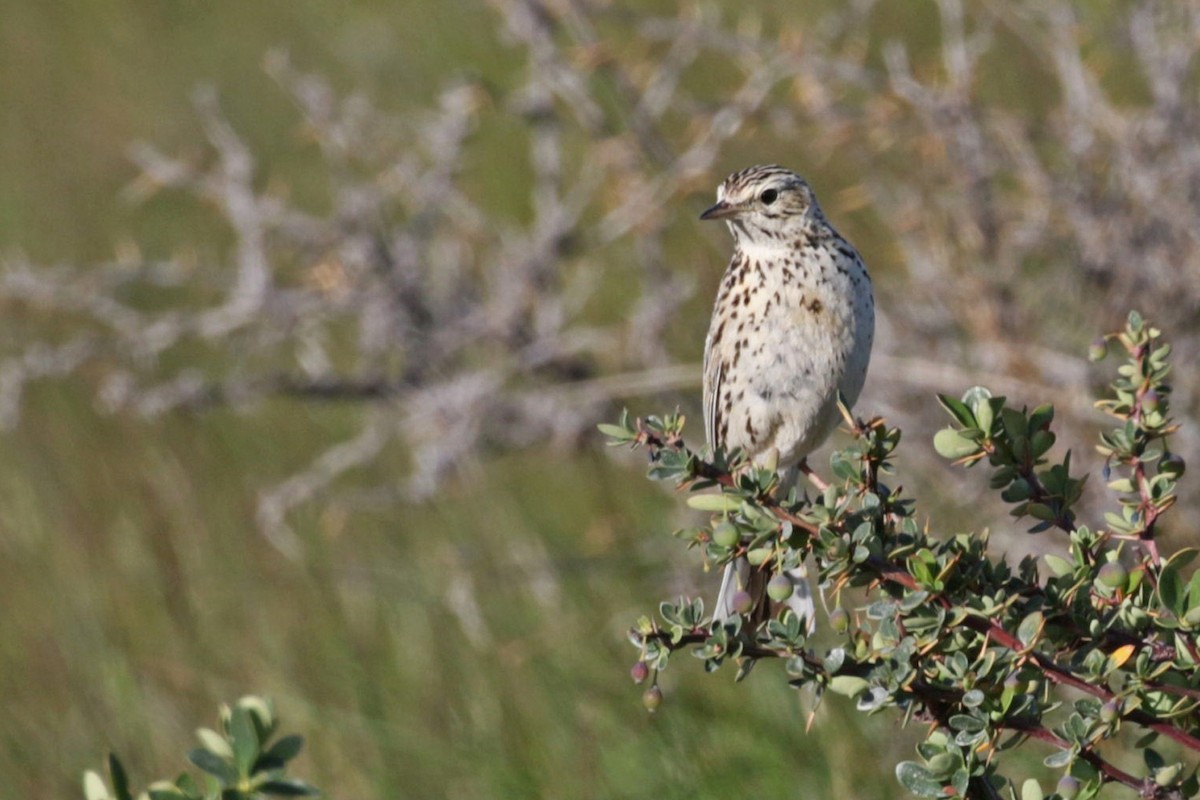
[310, 310]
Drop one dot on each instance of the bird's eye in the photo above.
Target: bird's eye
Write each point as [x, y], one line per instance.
[768, 196]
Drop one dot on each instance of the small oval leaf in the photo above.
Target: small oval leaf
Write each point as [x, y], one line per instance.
[289, 787]
[214, 765]
[916, 779]
[286, 748]
[1030, 628]
[951, 444]
[93, 786]
[716, 503]
[215, 742]
[848, 685]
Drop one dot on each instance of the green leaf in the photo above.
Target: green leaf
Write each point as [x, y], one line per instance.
[245, 739]
[1192, 617]
[941, 765]
[163, 790]
[261, 713]
[958, 410]
[845, 470]
[1041, 417]
[951, 444]
[119, 778]
[965, 722]
[1031, 790]
[916, 779]
[93, 786]
[1116, 522]
[717, 503]
[1040, 442]
[1002, 477]
[187, 783]
[215, 742]
[960, 780]
[1017, 492]
[1029, 628]
[848, 685]
[973, 698]
[1040, 511]
[1122, 485]
[1193, 592]
[1059, 566]
[976, 397]
[1182, 557]
[1059, 759]
[985, 416]
[1170, 590]
[285, 749]
[288, 788]
[1144, 741]
[1015, 424]
[615, 432]
[214, 765]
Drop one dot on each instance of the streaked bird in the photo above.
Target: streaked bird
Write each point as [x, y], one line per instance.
[792, 327]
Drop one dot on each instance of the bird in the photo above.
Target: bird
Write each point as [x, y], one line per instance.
[791, 330]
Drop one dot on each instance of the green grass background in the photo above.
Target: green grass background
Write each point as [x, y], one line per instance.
[137, 593]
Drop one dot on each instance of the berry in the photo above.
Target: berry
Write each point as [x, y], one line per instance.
[726, 534]
[839, 548]
[839, 620]
[652, 698]
[1098, 349]
[742, 602]
[639, 672]
[1068, 786]
[1172, 465]
[780, 588]
[1150, 401]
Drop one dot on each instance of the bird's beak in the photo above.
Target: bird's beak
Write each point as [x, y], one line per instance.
[721, 210]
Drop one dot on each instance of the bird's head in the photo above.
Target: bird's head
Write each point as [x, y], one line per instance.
[765, 204]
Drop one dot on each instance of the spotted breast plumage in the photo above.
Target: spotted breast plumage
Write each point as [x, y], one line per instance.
[792, 328]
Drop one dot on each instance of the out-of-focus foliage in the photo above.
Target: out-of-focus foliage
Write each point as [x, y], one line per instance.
[366, 298]
[241, 762]
[987, 655]
[463, 320]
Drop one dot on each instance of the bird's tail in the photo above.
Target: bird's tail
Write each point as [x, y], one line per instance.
[736, 577]
[801, 602]
[740, 576]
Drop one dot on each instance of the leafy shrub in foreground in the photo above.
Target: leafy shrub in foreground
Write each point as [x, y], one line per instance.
[992, 655]
[240, 762]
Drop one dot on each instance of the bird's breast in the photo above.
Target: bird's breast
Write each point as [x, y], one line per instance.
[792, 328]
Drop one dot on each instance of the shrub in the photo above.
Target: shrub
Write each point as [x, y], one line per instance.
[1069, 652]
[240, 762]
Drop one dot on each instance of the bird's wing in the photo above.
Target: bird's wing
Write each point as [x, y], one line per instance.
[713, 375]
